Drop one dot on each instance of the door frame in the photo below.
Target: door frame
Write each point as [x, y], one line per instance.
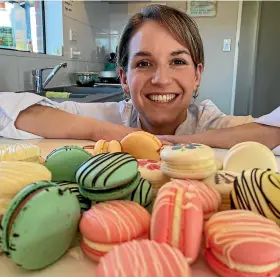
[236, 56]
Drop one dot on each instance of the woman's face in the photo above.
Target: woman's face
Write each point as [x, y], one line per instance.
[161, 76]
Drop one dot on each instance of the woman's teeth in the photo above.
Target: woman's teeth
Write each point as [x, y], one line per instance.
[162, 98]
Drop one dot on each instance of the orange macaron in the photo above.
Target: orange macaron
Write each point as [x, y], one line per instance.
[142, 145]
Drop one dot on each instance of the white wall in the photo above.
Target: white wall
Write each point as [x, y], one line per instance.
[218, 75]
[90, 20]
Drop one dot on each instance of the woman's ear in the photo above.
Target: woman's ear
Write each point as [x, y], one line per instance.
[198, 73]
[123, 80]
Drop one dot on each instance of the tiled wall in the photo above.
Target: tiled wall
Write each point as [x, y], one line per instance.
[90, 20]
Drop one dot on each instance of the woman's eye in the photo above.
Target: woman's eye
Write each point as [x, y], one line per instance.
[178, 62]
[143, 64]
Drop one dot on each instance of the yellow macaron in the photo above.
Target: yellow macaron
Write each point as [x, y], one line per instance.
[248, 155]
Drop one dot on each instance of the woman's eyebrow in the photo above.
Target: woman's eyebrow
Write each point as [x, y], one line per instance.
[142, 54]
[179, 52]
[149, 54]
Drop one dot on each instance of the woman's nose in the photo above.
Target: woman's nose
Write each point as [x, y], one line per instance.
[161, 76]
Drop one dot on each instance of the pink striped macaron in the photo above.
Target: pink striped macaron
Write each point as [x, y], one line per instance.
[210, 198]
[110, 223]
[177, 219]
[143, 258]
[242, 244]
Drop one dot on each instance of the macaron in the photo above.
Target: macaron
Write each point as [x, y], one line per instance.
[110, 223]
[219, 164]
[142, 145]
[39, 225]
[209, 197]
[114, 146]
[177, 219]
[119, 192]
[242, 244]
[106, 176]
[143, 258]
[64, 162]
[188, 161]
[151, 171]
[14, 176]
[25, 152]
[85, 203]
[222, 181]
[142, 194]
[258, 190]
[103, 146]
[248, 155]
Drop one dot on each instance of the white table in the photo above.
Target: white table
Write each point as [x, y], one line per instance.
[74, 263]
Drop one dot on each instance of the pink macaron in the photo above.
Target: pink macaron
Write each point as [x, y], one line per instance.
[177, 219]
[242, 244]
[210, 197]
[110, 223]
[143, 258]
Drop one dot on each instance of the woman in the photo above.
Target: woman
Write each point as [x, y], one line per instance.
[160, 60]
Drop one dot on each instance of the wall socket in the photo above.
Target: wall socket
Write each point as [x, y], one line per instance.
[72, 35]
[74, 53]
[227, 45]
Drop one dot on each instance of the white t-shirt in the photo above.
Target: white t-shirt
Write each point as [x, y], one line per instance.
[202, 117]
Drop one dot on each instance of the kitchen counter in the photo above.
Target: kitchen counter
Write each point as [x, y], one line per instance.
[74, 263]
[94, 98]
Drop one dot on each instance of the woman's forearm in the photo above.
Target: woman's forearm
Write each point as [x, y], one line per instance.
[52, 123]
[228, 137]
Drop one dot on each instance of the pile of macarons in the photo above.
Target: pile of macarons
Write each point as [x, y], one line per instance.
[141, 208]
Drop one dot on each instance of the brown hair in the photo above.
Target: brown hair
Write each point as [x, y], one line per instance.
[178, 23]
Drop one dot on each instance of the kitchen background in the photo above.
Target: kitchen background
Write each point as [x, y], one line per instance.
[240, 81]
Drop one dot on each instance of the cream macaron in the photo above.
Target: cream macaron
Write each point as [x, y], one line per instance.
[247, 155]
[191, 161]
[150, 170]
[222, 181]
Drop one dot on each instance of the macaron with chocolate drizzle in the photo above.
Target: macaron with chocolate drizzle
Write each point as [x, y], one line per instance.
[39, 225]
[108, 176]
[258, 190]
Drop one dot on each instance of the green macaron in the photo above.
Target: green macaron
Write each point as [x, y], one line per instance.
[111, 194]
[39, 225]
[142, 194]
[107, 171]
[85, 203]
[64, 162]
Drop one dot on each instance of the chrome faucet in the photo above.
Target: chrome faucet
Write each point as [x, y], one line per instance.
[38, 83]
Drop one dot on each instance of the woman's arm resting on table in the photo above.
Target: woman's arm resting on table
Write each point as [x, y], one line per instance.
[228, 137]
[52, 123]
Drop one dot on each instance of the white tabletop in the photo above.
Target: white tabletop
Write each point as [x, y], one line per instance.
[74, 263]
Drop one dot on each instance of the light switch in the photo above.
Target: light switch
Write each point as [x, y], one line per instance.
[227, 45]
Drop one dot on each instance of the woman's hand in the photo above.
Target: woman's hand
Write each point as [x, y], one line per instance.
[169, 140]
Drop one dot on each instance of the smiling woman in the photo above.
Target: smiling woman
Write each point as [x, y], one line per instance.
[160, 62]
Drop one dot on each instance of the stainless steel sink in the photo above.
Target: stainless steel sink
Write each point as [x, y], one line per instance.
[98, 93]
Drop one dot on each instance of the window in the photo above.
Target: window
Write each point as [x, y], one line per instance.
[22, 25]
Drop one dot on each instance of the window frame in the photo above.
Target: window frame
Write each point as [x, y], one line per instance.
[44, 43]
